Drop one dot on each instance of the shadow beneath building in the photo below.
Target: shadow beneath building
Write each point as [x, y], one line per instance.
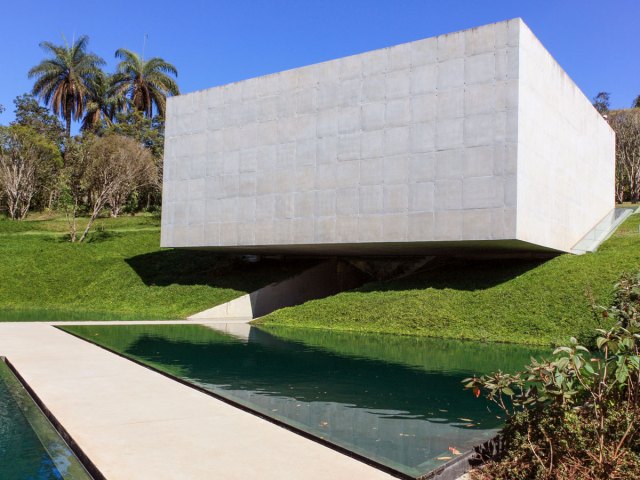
[191, 267]
[461, 274]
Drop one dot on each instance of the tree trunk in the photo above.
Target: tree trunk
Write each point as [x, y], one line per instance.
[68, 120]
[94, 215]
[72, 219]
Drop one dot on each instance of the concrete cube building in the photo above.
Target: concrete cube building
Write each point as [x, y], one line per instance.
[476, 139]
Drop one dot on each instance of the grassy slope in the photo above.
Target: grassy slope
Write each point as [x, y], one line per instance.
[510, 301]
[120, 273]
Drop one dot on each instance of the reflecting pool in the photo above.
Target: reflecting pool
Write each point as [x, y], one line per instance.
[30, 448]
[398, 401]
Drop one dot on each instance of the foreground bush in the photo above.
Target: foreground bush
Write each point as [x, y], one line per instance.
[577, 415]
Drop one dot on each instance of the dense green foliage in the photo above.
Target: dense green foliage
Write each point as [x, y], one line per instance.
[522, 301]
[28, 162]
[29, 113]
[574, 416]
[118, 273]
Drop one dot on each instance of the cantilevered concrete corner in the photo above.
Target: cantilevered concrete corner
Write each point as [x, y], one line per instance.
[475, 139]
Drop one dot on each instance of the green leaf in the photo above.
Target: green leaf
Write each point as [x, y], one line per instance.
[577, 361]
[562, 349]
[622, 373]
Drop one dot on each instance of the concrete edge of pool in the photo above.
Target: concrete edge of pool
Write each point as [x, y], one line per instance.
[308, 462]
[84, 460]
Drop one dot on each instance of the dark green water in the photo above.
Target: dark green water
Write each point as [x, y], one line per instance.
[30, 448]
[396, 400]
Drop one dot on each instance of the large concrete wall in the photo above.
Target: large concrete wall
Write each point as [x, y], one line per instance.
[413, 143]
[475, 138]
[566, 153]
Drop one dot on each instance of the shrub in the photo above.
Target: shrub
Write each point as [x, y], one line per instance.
[576, 415]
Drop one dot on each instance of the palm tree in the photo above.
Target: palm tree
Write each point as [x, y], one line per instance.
[145, 83]
[63, 81]
[103, 101]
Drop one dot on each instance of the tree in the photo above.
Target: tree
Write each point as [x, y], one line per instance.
[104, 103]
[109, 168]
[29, 112]
[636, 102]
[72, 184]
[148, 131]
[64, 80]
[626, 125]
[145, 83]
[601, 102]
[26, 158]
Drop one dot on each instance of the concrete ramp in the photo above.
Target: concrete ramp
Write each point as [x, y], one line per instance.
[603, 230]
[327, 278]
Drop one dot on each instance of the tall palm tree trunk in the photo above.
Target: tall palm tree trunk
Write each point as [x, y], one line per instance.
[67, 118]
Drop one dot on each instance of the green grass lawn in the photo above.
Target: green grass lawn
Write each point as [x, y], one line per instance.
[118, 273]
[523, 301]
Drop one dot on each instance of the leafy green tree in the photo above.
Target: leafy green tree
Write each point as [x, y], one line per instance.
[73, 187]
[105, 170]
[602, 102]
[29, 112]
[146, 83]
[104, 102]
[636, 102]
[64, 80]
[148, 131]
[27, 160]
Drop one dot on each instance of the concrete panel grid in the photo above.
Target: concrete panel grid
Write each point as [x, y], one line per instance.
[468, 137]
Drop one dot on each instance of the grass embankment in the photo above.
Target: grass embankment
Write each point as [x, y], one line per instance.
[119, 273]
[523, 301]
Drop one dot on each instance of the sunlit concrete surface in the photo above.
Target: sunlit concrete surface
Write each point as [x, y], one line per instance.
[475, 139]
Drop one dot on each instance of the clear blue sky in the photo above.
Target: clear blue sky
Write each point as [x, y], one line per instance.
[216, 42]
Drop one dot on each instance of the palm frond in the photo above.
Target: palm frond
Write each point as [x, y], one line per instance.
[65, 81]
[146, 84]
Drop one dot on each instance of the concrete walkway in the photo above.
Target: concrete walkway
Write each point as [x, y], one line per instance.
[136, 424]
